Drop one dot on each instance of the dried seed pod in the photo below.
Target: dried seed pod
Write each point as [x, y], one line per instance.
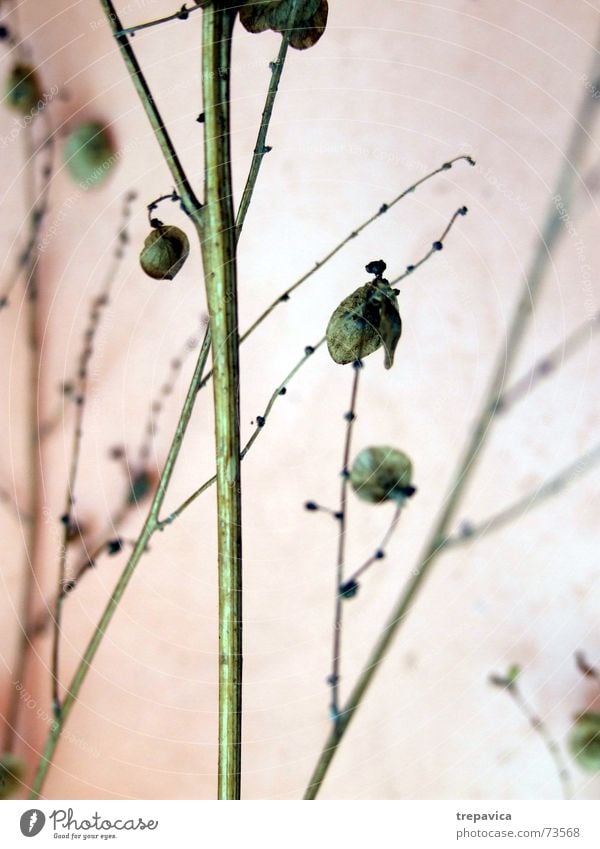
[280, 12]
[165, 250]
[12, 773]
[307, 33]
[309, 23]
[89, 154]
[584, 741]
[256, 16]
[380, 473]
[23, 90]
[363, 322]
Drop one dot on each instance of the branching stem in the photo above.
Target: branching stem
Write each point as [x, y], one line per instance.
[509, 349]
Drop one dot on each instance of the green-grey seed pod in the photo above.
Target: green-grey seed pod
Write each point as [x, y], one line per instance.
[89, 154]
[584, 741]
[363, 322]
[380, 473]
[165, 250]
[22, 89]
[12, 773]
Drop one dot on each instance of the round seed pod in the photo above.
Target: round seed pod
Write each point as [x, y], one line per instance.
[23, 90]
[12, 773]
[256, 16]
[363, 322]
[352, 329]
[584, 741]
[89, 154]
[280, 12]
[307, 34]
[380, 473]
[165, 250]
[309, 23]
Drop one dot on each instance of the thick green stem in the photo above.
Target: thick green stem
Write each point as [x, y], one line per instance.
[218, 236]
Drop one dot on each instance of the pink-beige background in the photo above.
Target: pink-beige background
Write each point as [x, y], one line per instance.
[392, 90]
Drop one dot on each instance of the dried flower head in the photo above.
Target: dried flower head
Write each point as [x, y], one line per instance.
[165, 250]
[584, 741]
[23, 90]
[309, 23]
[380, 473]
[89, 153]
[363, 322]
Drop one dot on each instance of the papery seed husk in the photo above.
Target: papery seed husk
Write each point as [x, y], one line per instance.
[165, 250]
[380, 473]
[363, 322]
[305, 36]
[352, 331]
[256, 17]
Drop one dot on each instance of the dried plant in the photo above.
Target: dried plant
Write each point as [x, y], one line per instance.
[366, 325]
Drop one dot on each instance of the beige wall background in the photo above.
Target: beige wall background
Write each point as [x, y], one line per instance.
[392, 90]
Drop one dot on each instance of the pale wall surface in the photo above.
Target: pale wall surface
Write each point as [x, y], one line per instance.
[392, 91]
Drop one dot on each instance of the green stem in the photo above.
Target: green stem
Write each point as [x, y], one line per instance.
[260, 148]
[218, 237]
[509, 349]
[150, 527]
[190, 202]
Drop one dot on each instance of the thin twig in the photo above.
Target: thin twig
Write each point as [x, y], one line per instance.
[191, 205]
[585, 667]
[157, 405]
[510, 685]
[556, 484]
[29, 255]
[334, 678]
[261, 148]
[379, 554]
[182, 14]
[261, 421]
[552, 230]
[435, 248]
[34, 468]
[385, 207]
[99, 303]
[549, 363]
[13, 507]
[149, 528]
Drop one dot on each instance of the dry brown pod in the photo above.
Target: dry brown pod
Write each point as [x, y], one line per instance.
[165, 250]
[363, 322]
[23, 90]
[256, 17]
[309, 22]
[381, 473]
[306, 34]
